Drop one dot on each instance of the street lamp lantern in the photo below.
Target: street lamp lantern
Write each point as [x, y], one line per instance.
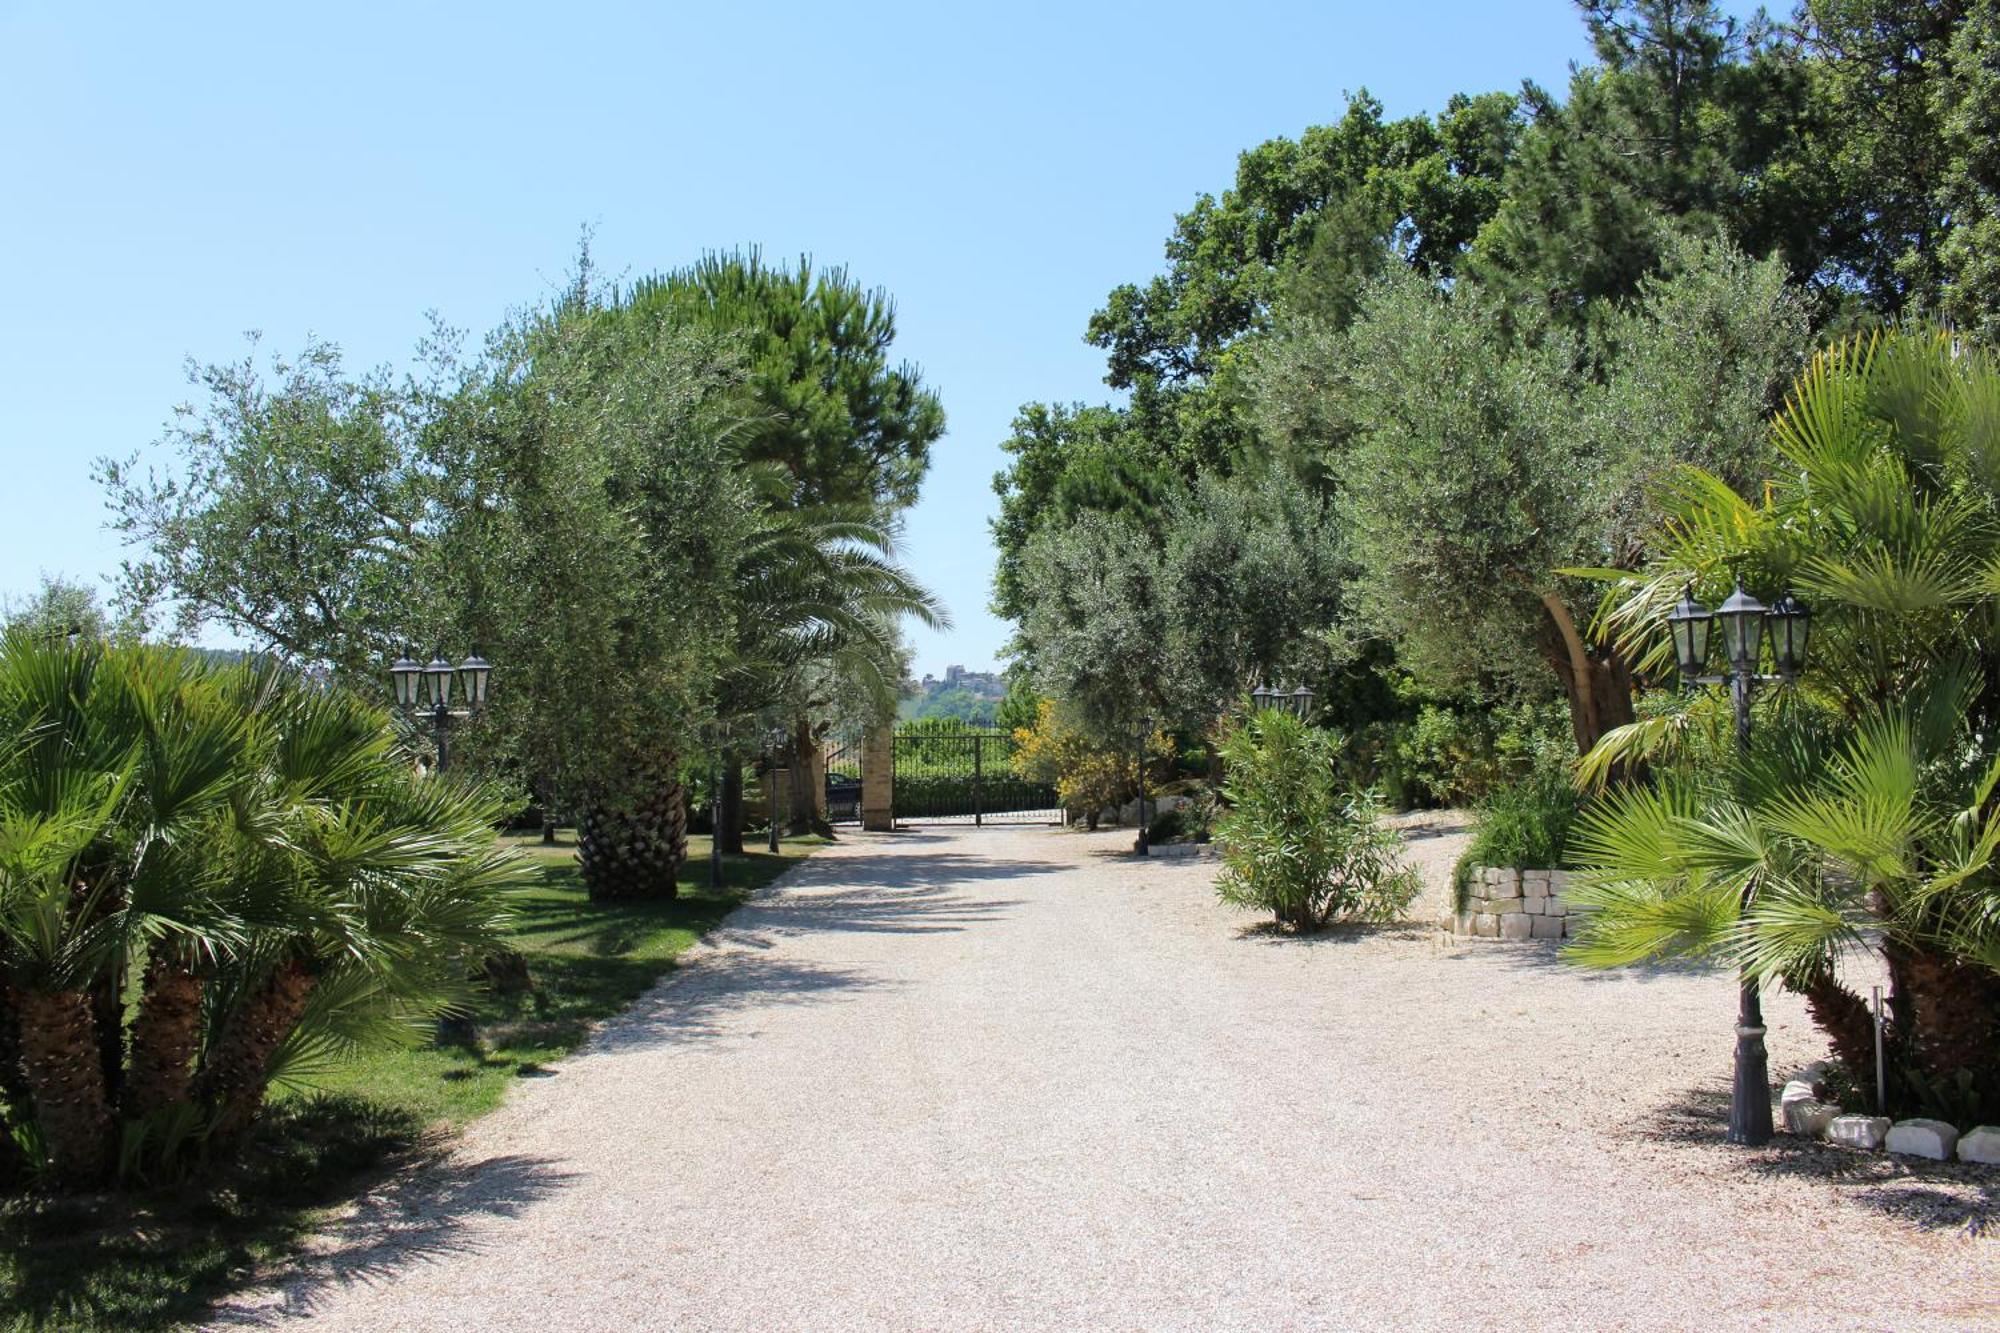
[1742, 618]
[1301, 701]
[437, 682]
[1263, 697]
[408, 676]
[1688, 623]
[1790, 622]
[473, 673]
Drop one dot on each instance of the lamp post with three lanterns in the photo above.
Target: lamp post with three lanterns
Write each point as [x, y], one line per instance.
[426, 690]
[1744, 621]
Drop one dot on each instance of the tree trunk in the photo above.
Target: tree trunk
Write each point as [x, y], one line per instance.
[632, 844]
[233, 1079]
[13, 1087]
[107, 1006]
[166, 1035]
[1598, 685]
[731, 818]
[1845, 1019]
[1955, 1005]
[63, 1069]
[806, 810]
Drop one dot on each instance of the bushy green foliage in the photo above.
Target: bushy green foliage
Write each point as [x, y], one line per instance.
[1091, 768]
[1230, 582]
[1525, 823]
[825, 402]
[1294, 841]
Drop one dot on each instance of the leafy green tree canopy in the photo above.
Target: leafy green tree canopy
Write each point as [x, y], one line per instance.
[825, 401]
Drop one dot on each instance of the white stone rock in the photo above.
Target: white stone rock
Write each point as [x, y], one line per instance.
[1558, 881]
[1535, 879]
[1556, 907]
[1516, 926]
[1535, 906]
[1545, 927]
[1804, 1113]
[1923, 1138]
[1509, 906]
[1980, 1145]
[1797, 1090]
[1492, 877]
[1858, 1131]
[1485, 925]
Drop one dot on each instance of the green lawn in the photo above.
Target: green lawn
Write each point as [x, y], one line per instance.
[157, 1260]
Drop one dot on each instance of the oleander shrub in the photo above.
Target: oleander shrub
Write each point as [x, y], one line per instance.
[1298, 842]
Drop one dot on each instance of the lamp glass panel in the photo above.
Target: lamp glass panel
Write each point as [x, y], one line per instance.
[438, 677]
[1743, 638]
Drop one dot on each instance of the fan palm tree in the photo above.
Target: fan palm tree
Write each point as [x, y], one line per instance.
[1865, 816]
[254, 849]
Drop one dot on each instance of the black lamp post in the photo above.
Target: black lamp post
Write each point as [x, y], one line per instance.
[1745, 621]
[713, 736]
[774, 745]
[426, 689]
[1141, 845]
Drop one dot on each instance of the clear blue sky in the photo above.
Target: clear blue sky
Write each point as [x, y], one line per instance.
[176, 175]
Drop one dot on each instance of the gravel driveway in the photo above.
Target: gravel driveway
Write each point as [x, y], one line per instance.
[1014, 1078]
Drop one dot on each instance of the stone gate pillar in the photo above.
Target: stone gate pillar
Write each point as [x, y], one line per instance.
[878, 779]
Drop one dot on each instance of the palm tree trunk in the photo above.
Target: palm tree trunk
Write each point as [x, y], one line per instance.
[1844, 1017]
[1956, 1008]
[166, 1034]
[233, 1079]
[62, 1066]
[633, 844]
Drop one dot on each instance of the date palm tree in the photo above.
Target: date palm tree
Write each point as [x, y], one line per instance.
[1865, 817]
[820, 596]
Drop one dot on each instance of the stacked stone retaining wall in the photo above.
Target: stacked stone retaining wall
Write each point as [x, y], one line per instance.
[1505, 904]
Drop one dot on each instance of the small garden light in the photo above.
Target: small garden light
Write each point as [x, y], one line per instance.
[1141, 845]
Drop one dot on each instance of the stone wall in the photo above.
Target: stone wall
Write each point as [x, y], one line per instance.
[1504, 904]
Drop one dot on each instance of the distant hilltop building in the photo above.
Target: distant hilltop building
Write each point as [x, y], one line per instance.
[985, 684]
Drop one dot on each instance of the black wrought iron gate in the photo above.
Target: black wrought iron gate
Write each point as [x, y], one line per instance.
[966, 777]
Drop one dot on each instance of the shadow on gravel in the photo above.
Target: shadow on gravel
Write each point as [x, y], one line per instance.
[923, 910]
[694, 1006]
[419, 1218]
[1935, 1196]
[1542, 956]
[1336, 935]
